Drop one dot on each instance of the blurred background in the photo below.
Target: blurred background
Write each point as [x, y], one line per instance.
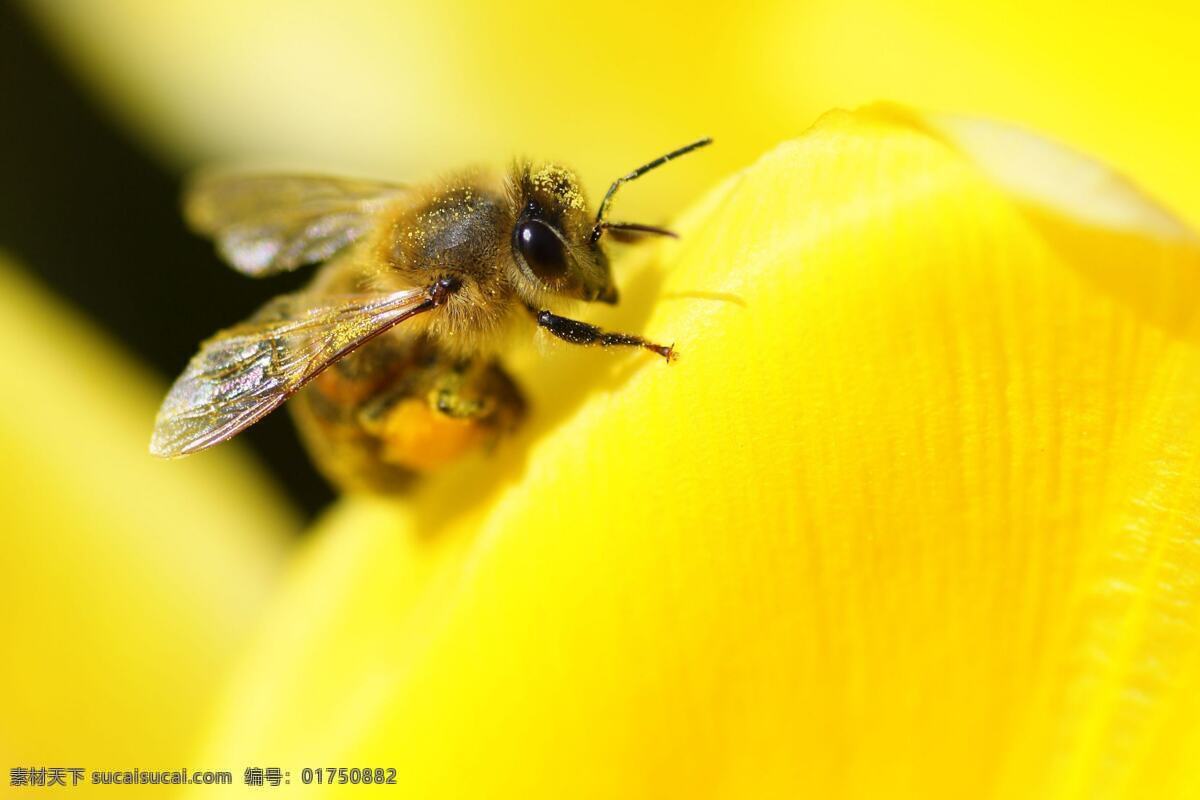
[109, 104]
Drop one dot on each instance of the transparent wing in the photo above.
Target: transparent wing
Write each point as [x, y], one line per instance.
[266, 224]
[247, 371]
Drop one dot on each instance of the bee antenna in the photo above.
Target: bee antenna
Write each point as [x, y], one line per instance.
[600, 226]
[627, 229]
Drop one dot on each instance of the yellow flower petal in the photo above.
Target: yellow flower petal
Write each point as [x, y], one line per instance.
[128, 582]
[914, 515]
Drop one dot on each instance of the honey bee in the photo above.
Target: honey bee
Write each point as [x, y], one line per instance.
[396, 341]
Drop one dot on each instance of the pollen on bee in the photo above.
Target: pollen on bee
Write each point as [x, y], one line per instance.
[419, 437]
[561, 182]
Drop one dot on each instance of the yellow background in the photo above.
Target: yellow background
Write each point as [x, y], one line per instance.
[413, 88]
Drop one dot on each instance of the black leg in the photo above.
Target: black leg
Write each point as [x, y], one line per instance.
[576, 332]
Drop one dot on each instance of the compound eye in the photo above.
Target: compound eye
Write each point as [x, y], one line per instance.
[542, 250]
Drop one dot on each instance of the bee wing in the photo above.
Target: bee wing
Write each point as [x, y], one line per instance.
[245, 372]
[266, 224]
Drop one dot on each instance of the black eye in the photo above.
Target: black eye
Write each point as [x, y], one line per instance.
[542, 250]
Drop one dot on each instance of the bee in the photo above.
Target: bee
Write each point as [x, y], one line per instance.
[396, 340]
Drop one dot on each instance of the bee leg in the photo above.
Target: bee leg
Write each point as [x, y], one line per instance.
[395, 409]
[576, 332]
[441, 412]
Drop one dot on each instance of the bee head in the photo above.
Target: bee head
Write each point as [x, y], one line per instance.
[552, 240]
[556, 239]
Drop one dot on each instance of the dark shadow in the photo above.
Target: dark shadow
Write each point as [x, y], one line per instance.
[87, 210]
